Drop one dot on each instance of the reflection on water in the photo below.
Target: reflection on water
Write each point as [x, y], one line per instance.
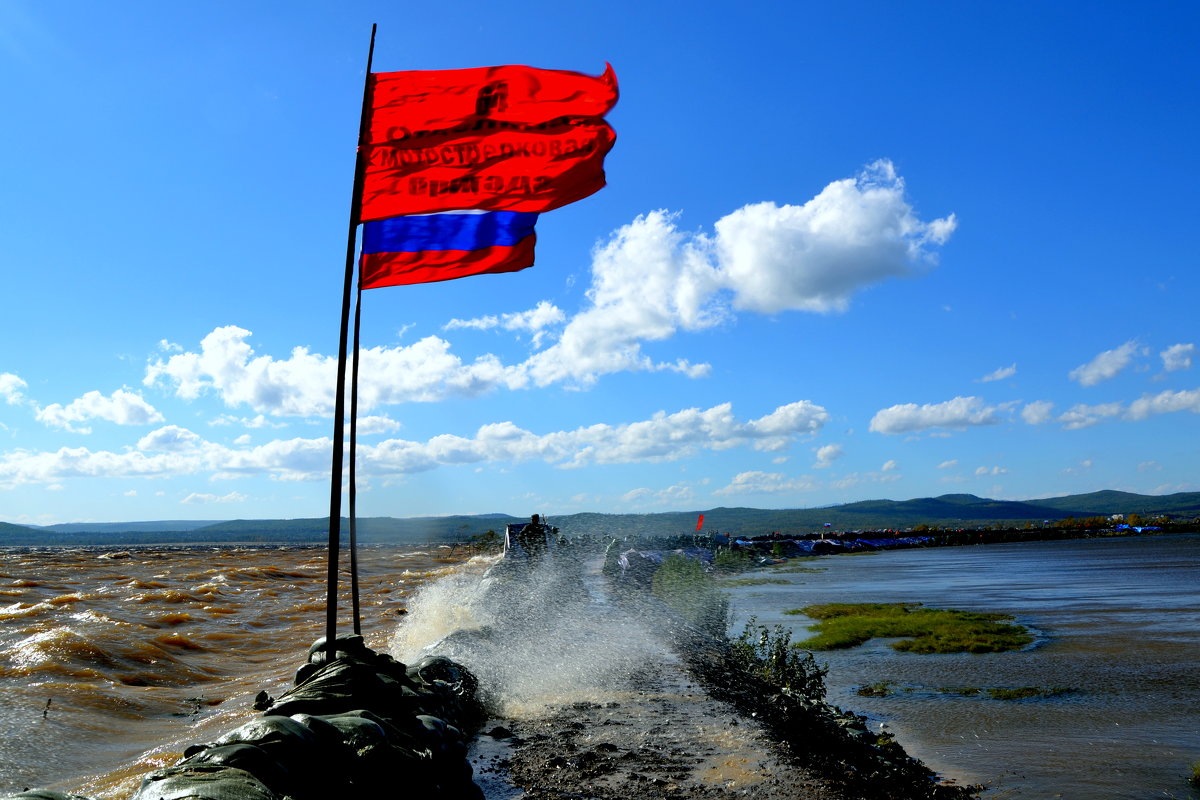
[1118, 623]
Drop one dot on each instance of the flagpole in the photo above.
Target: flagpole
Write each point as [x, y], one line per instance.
[353, 456]
[339, 406]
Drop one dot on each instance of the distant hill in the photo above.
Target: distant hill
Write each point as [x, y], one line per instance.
[948, 510]
[125, 527]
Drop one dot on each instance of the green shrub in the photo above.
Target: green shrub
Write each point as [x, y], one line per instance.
[770, 655]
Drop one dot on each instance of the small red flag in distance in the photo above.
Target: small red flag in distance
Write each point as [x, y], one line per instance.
[699, 522]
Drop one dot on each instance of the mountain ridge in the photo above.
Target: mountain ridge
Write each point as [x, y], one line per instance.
[948, 510]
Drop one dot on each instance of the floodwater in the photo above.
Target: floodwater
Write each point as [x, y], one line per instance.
[112, 661]
[1117, 622]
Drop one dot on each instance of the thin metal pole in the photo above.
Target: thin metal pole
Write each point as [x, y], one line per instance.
[353, 455]
[339, 406]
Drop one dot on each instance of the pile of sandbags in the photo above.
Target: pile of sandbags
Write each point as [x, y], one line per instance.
[362, 724]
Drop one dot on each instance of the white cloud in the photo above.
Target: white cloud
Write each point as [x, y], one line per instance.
[10, 388]
[1175, 357]
[948, 464]
[664, 437]
[815, 257]
[130, 493]
[169, 439]
[826, 455]
[1106, 365]
[121, 407]
[959, 413]
[1037, 412]
[756, 482]
[889, 466]
[172, 451]
[232, 497]
[536, 321]
[999, 374]
[1164, 403]
[649, 281]
[1085, 416]
[980, 471]
[1149, 466]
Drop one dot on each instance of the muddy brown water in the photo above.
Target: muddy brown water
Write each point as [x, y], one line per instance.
[142, 651]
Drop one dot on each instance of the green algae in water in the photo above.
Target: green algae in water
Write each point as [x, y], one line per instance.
[920, 630]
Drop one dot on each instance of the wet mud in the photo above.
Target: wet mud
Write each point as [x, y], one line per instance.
[665, 738]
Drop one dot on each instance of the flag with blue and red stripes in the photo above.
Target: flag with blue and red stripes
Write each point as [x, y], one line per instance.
[457, 165]
[440, 247]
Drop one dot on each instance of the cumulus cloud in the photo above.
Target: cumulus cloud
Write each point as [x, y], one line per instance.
[1164, 403]
[172, 451]
[169, 439]
[826, 455]
[948, 464]
[10, 388]
[121, 407]
[535, 321]
[981, 471]
[889, 466]
[756, 482]
[1175, 357]
[1037, 412]
[649, 281]
[815, 257]
[999, 374]
[1106, 365]
[959, 413]
[1085, 416]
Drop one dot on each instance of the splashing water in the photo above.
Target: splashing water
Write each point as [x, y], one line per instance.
[537, 634]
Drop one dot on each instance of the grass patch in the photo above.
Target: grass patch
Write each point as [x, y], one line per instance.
[1195, 779]
[785, 570]
[753, 581]
[920, 630]
[881, 689]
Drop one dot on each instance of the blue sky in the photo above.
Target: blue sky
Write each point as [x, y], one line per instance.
[847, 251]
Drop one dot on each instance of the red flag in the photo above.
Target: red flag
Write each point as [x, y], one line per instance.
[699, 522]
[514, 169]
[500, 138]
[407, 105]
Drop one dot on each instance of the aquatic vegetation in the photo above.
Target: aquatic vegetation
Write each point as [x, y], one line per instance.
[770, 655]
[784, 570]
[1195, 779]
[881, 689]
[921, 630]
